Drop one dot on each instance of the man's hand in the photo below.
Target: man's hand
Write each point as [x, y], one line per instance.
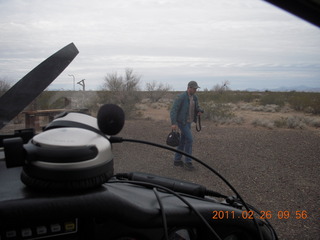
[200, 111]
[174, 127]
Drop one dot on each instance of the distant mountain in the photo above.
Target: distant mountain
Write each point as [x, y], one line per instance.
[301, 88]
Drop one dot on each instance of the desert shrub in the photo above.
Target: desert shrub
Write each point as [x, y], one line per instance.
[313, 122]
[272, 98]
[271, 108]
[248, 106]
[123, 90]
[267, 108]
[315, 106]
[218, 97]
[238, 120]
[218, 112]
[295, 122]
[157, 90]
[259, 108]
[303, 121]
[157, 105]
[248, 97]
[281, 122]
[228, 96]
[307, 102]
[298, 101]
[263, 123]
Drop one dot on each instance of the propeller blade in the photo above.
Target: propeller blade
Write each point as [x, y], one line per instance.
[30, 86]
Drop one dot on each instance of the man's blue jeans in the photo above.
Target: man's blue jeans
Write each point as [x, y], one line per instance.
[185, 142]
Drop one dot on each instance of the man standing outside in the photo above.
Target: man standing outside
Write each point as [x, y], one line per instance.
[183, 112]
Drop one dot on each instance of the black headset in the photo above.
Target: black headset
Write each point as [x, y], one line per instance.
[72, 153]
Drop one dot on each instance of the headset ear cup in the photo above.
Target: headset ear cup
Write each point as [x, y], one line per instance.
[76, 185]
[70, 156]
[33, 182]
[85, 183]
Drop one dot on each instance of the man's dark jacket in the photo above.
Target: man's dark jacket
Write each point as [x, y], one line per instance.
[180, 110]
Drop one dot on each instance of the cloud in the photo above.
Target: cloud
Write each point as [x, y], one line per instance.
[169, 41]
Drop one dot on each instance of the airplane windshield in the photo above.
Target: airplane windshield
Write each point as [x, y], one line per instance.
[239, 81]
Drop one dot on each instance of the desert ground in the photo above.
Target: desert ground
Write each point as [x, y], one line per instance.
[275, 170]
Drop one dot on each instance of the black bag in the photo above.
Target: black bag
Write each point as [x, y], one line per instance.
[173, 139]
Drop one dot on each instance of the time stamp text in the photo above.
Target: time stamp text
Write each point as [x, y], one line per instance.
[220, 215]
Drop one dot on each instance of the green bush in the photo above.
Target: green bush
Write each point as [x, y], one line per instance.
[228, 96]
[271, 98]
[307, 102]
[217, 112]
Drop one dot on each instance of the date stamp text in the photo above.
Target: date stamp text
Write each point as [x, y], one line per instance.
[219, 215]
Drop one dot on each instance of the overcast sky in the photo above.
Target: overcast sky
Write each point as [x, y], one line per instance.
[249, 43]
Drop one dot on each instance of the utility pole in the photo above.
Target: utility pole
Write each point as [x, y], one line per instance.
[74, 81]
[82, 84]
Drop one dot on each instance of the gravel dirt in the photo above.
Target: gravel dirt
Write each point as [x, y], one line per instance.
[274, 170]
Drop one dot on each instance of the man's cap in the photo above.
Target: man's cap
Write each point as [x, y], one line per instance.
[193, 84]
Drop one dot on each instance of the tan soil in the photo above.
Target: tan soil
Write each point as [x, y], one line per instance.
[274, 170]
